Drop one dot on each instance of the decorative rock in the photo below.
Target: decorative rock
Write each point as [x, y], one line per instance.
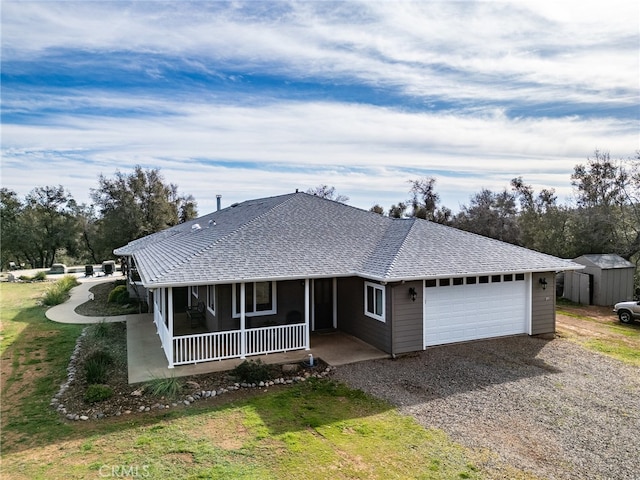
[141, 408]
[187, 402]
[84, 418]
[261, 384]
[190, 399]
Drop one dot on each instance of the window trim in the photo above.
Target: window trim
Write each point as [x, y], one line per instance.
[376, 287]
[211, 298]
[254, 313]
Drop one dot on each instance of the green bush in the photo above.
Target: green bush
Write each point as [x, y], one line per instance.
[54, 295]
[168, 387]
[39, 277]
[58, 292]
[252, 371]
[98, 393]
[119, 295]
[96, 367]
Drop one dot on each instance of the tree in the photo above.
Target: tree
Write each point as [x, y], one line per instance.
[324, 191]
[134, 205]
[398, 211]
[377, 209]
[46, 225]
[544, 225]
[424, 201]
[492, 215]
[607, 198]
[10, 210]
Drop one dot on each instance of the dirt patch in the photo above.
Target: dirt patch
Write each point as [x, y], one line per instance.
[229, 432]
[595, 322]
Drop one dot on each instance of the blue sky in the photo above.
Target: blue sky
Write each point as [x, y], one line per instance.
[251, 99]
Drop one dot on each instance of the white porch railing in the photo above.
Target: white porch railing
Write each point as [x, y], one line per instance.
[222, 345]
[163, 332]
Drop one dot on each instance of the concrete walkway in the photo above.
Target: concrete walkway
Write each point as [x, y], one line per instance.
[65, 312]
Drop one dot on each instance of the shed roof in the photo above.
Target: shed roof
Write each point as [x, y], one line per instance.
[304, 236]
[605, 261]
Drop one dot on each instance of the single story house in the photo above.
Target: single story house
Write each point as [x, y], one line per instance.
[606, 280]
[262, 275]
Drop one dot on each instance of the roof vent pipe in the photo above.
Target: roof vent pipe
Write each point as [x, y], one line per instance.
[218, 201]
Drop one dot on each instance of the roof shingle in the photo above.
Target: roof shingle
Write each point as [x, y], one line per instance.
[300, 235]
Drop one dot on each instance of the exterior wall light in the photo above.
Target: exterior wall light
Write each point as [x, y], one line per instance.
[412, 293]
[543, 281]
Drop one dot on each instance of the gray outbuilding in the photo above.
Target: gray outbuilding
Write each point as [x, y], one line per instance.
[605, 280]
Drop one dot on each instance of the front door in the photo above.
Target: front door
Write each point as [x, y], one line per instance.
[323, 303]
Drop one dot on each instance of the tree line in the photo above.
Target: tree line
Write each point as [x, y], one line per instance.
[604, 217]
[49, 226]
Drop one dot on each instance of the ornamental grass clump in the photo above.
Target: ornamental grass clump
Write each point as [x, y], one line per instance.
[96, 367]
[168, 387]
[58, 292]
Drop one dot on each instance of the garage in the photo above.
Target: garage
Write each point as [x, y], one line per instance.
[469, 308]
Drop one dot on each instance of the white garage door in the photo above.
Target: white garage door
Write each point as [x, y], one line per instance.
[458, 310]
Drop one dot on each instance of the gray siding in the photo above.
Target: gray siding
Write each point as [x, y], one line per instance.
[351, 317]
[616, 285]
[543, 304]
[407, 320]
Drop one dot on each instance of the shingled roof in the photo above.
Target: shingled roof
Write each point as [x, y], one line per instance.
[303, 236]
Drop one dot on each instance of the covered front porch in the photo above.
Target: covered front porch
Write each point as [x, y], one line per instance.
[207, 323]
[147, 359]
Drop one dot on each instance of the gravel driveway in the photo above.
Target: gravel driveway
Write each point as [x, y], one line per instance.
[546, 406]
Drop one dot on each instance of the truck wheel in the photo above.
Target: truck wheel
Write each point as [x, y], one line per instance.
[624, 316]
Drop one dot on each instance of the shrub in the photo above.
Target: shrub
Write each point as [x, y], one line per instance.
[100, 329]
[39, 277]
[98, 393]
[58, 292]
[252, 371]
[68, 282]
[169, 387]
[96, 367]
[119, 295]
[54, 295]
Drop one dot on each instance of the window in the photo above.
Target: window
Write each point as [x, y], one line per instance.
[495, 278]
[445, 282]
[259, 299]
[374, 301]
[508, 277]
[483, 279]
[430, 283]
[211, 298]
[471, 280]
[519, 277]
[458, 281]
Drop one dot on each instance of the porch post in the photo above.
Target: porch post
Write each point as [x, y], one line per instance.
[170, 313]
[243, 340]
[307, 303]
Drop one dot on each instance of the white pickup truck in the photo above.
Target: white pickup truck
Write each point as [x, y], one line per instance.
[627, 311]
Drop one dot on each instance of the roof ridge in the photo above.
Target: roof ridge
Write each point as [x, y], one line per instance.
[400, 248]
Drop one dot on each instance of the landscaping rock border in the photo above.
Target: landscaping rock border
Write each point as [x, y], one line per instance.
[149, 403]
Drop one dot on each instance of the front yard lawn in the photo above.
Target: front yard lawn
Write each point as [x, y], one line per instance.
[316, 429]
